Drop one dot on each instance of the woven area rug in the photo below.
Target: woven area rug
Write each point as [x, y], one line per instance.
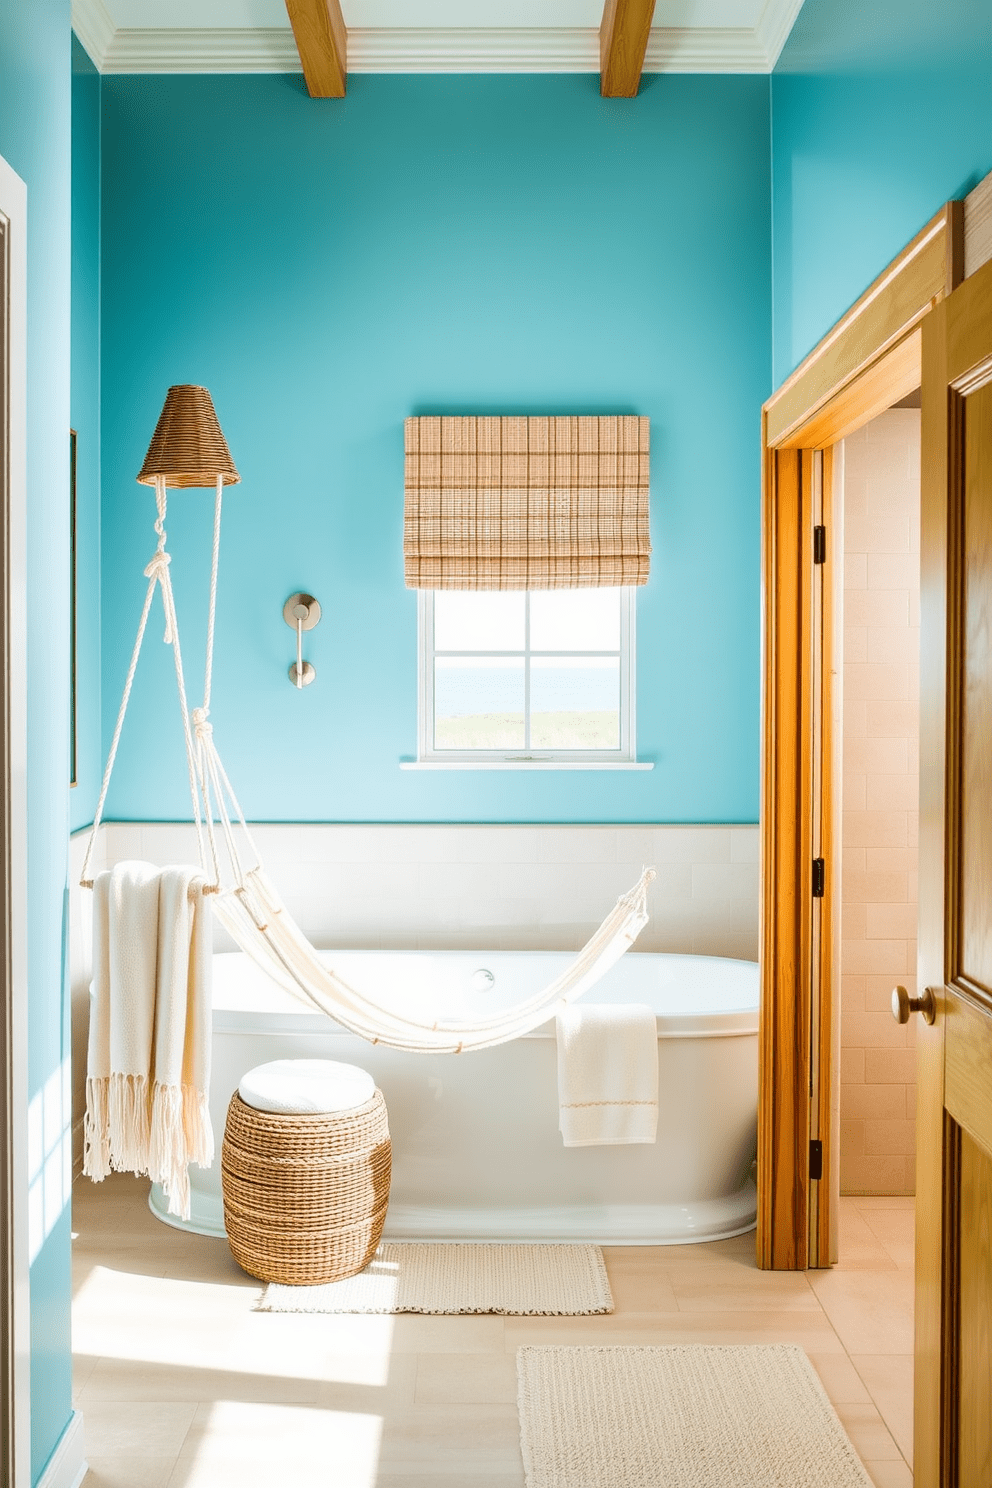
[523, 1280]
[686, 1417]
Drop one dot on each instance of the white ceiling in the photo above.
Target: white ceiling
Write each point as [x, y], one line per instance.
[428, 35]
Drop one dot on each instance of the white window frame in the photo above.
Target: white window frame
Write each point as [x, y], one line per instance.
[429, 757]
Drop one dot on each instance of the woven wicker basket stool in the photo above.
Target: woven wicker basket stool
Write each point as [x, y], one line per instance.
[305, 1171]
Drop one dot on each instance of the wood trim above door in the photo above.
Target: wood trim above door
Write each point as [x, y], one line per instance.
[870, 359]
[927, 269]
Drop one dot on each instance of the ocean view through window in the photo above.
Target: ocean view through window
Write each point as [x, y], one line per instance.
[520, 675]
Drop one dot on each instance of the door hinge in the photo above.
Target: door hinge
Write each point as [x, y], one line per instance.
[815, 1160]
[819, 877]
[819, 544]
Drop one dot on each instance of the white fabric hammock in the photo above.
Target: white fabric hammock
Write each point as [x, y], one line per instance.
[251, 911]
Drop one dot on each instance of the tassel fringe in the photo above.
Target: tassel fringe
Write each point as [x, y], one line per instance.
[134, 1125]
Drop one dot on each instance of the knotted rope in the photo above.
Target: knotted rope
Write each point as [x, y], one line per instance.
[158, 574]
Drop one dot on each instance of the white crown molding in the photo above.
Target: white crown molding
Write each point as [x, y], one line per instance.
[702, 49]
[774, 24]
[94, 28]
[202, 49]
[474, 49]
[428, 49]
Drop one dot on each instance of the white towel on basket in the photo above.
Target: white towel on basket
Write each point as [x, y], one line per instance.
[148, 1064]
[607, 1074]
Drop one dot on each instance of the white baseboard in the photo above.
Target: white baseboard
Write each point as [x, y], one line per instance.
[67, 1466]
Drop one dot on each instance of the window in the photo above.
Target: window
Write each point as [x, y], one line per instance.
[520, 676]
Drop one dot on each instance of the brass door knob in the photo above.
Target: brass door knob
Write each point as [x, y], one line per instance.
[903, 1005]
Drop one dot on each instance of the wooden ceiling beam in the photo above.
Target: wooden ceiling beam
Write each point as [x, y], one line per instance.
[322, 42]
[623, 41]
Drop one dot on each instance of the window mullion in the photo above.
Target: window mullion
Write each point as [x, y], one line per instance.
[527, 672]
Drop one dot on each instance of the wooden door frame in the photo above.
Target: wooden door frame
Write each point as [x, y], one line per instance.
[867, 362]
[15, 1307]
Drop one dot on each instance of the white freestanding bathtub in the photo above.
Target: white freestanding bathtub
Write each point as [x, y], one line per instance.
[476, 1150]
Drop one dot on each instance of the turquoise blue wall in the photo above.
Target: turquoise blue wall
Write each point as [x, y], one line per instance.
[457, 244]
[35, 141]
[880, 114]
[85, 416]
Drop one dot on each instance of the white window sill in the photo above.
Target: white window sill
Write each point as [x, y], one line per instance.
[525, 764]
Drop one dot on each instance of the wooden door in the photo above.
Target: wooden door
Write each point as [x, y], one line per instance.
[953, 1415]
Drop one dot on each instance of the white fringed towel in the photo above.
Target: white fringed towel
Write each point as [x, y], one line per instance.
[148, 1064]
[607, 1074]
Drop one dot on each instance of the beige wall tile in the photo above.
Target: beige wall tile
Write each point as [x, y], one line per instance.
[884, 530]
[875, 756]
[890, 1067]
[855, 796]
[877, 1175]
[881, 751]
[890, 1138]
[877, 607]
[875, 1102]
[888, 681]
[891, 920]
[855, 643]
[875, 828]
[893, 717]
[890, 643]
[855, 718]
[855, 571]
[891, 571]
[882, 957]
[890, 860]
[875, 1031]
[892, 793]
[877, 887]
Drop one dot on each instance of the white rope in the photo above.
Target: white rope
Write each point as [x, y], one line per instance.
[85, 880]
[256, 919]
[195, 782]
[212, 611]
[157, 574]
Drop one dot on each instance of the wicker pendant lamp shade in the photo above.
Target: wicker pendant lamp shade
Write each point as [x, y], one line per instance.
[188, 447]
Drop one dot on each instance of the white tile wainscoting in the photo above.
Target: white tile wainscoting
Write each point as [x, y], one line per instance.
[452, 887]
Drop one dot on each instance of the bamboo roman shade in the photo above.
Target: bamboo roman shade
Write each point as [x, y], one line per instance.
[526, 503]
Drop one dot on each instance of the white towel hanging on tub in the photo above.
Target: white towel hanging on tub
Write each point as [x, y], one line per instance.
[607, 1074]
[148, 1065]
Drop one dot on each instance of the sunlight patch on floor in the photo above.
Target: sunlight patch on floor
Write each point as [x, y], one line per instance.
[244, 1443]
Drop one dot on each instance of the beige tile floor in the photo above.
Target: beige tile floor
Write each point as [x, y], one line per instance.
[182, 1385]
